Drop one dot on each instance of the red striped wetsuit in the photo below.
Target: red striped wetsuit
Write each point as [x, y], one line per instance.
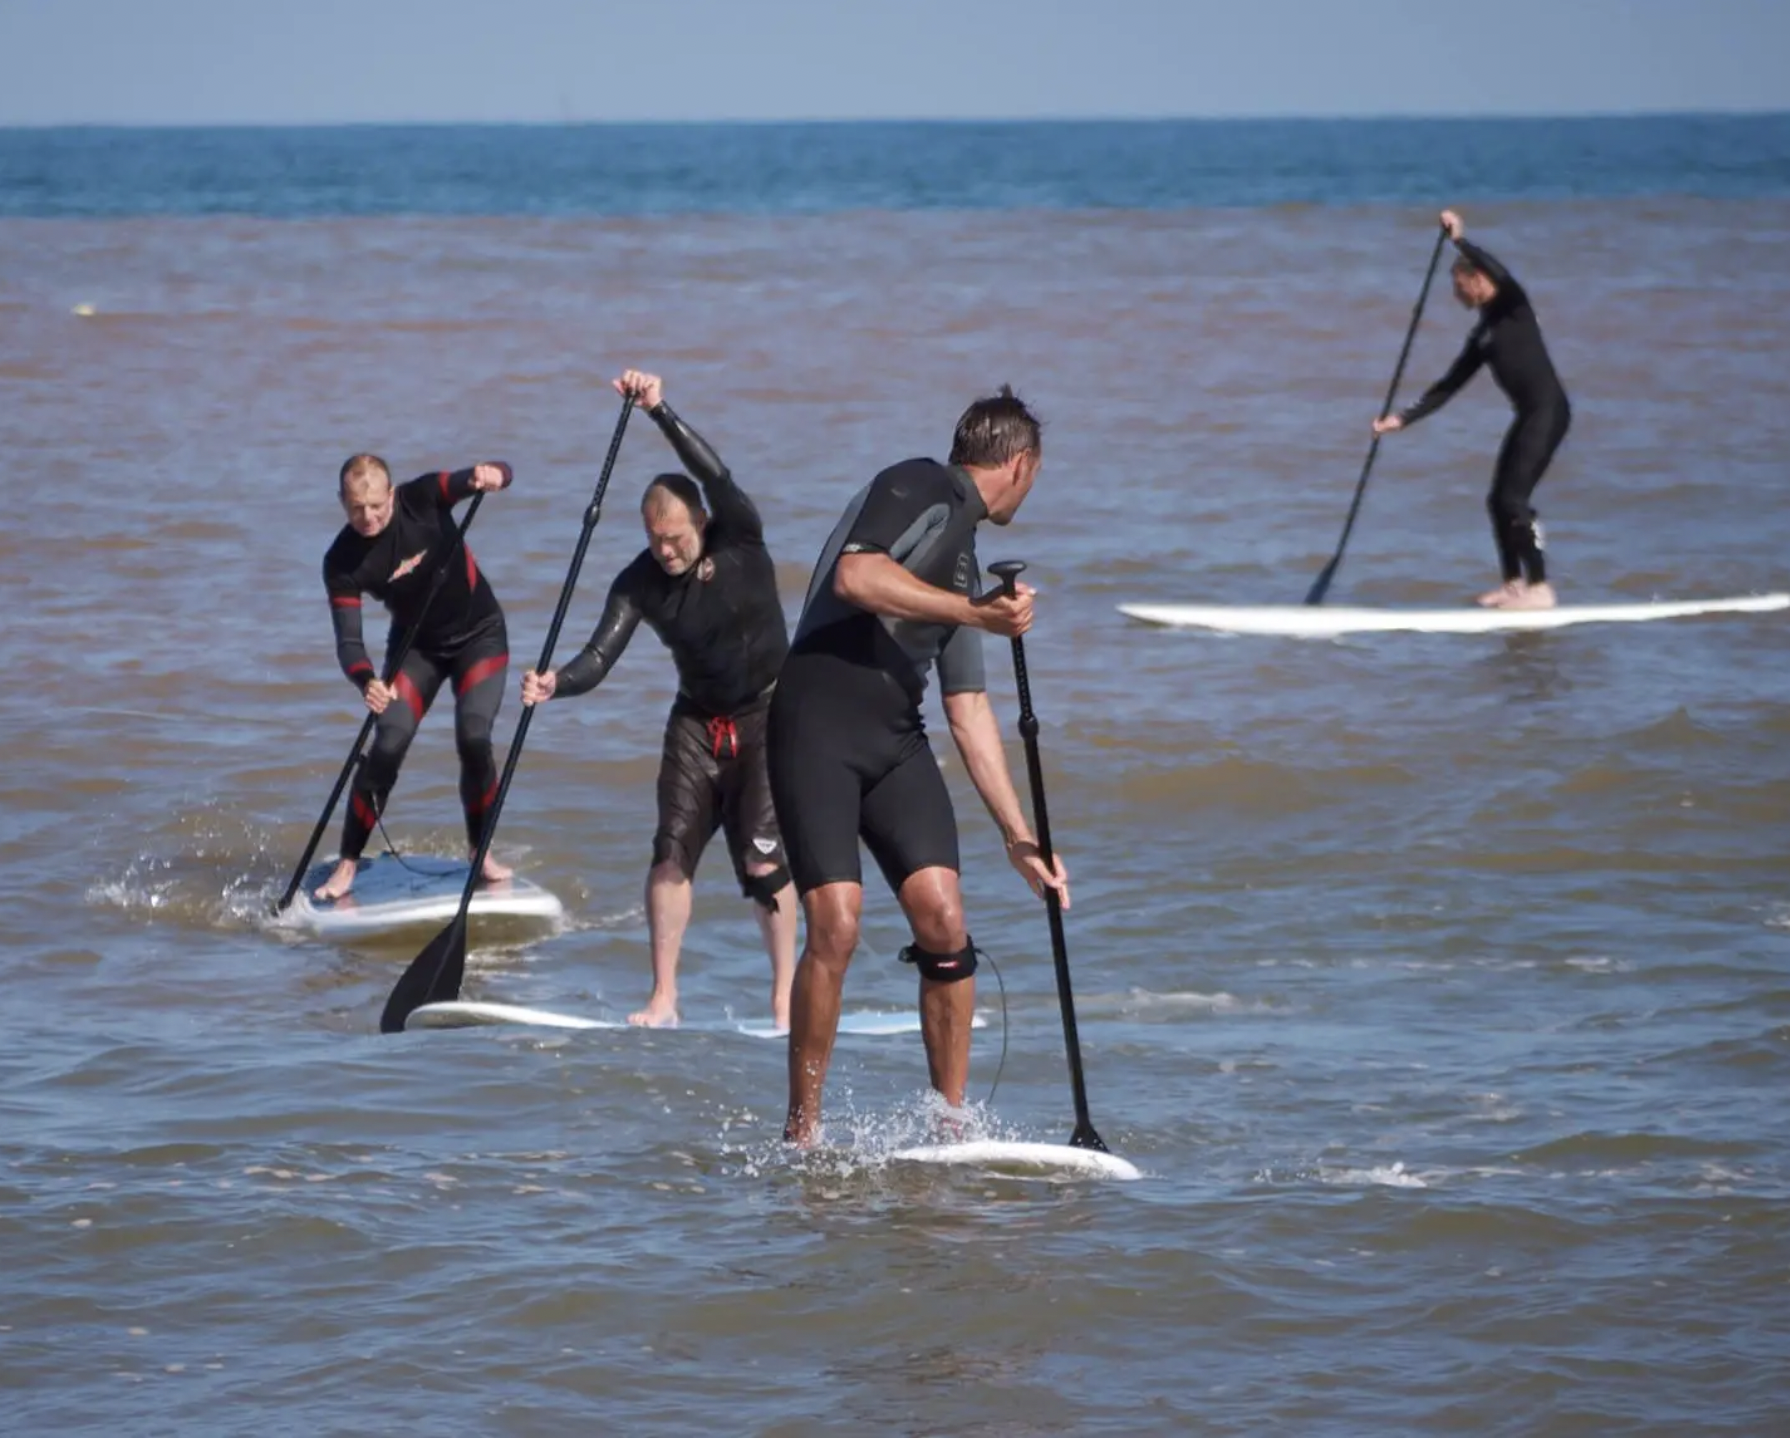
[462, 639]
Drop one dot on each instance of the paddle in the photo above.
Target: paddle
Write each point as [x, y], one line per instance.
[1007, 571]
[1321, 585]
[393, 662]
[434, 975]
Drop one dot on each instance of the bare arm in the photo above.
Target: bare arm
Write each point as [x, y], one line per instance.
[978, 738]
[877, 583]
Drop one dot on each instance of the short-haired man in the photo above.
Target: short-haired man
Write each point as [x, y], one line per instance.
[706, 585]
[1506, 338]
[396, 542]
[896, 592]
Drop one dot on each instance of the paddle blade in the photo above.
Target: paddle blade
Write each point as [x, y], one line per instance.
[1085, 1137]
[433, 977]
[1321, 585]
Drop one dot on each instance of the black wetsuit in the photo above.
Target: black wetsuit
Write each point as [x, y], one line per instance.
[724, 625]
[462, 639]
[1507, 339]
[849, 756]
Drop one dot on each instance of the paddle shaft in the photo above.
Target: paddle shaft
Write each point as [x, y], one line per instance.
[592, 513]
[393, 662]
[1008, 571]
[1321, 585]
[435, 973]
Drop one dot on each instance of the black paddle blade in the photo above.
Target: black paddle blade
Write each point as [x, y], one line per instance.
[432, 978]
[1321, 585]
[1085, 1137]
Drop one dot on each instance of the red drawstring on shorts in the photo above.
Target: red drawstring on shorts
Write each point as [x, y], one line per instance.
[724, 739]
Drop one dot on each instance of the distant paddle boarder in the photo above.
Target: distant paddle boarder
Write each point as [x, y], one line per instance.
[706, 585]
[895, 593]
[394, 544]
[1506, 338]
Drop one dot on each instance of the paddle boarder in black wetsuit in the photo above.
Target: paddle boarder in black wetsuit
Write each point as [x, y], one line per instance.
[395, 542]
[895, 592]
[706, 585]
[1507, 339]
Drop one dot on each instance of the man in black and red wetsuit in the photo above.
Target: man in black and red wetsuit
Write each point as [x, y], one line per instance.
[706, 585]
[1507, 340]
[896, 592]
[395, 543]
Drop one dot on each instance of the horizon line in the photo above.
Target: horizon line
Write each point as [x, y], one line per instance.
[1378, 117]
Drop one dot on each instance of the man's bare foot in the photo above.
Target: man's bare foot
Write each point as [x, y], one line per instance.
[659, 1013]
[339, 882]
[800, 1135]
[1501, 596]
[1533, 596]
[494, 872]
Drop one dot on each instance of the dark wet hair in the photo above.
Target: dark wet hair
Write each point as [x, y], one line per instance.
[678, 486]
[1464, 266]
[359, 466]
[995, 430]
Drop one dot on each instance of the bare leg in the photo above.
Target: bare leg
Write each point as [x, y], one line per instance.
[667, 916]
[832, 913]
[933, 904]
[340, 881]
[778, 926]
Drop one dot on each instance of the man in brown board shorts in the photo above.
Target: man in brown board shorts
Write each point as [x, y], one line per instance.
[706, 585]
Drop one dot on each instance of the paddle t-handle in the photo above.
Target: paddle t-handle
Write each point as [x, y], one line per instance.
[1084, 1136]
[1008, 572]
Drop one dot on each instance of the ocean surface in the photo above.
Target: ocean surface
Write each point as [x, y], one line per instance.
[1440, 986]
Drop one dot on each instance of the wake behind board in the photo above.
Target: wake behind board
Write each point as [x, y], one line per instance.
[417, 891]
[463, 1013]
[1306, 621]
[993, 1155]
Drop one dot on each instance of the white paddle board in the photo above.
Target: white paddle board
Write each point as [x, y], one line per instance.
[996, 1155]
[415, 891]
[867, 1025]
[467, 1013]
[1317, 621]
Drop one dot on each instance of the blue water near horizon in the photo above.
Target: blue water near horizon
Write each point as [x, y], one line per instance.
[641, 170]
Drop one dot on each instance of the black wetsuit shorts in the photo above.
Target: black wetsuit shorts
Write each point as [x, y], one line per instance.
[839, 775]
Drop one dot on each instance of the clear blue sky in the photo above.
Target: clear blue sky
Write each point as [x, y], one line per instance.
[329, 61]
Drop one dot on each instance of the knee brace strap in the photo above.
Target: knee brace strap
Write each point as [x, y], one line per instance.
[941, 968]
[765, 887]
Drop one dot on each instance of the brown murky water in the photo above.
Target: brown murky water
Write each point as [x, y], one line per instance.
[1438, 984]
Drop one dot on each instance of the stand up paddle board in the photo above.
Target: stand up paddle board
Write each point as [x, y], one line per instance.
[993, 1155]
[392, 893]
[864, 1025]
[1307, 621]
[467, 1013]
